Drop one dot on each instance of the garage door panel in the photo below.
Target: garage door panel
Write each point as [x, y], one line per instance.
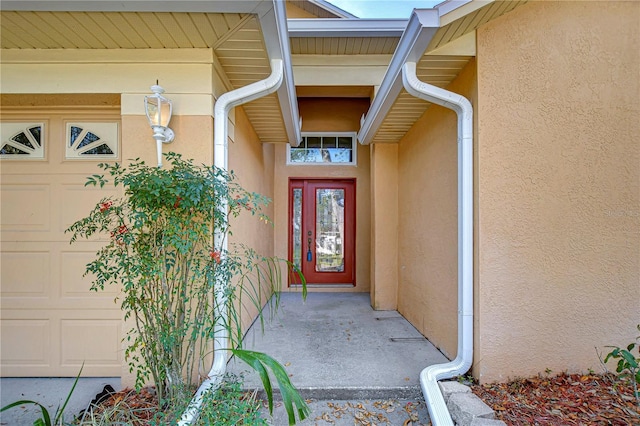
[75, 287]
[96, 347]
[25, 274]
[25, 207]
[25, 344]
[59, 344]
[76, 201]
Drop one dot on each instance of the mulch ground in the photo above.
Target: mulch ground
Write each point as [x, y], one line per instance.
[575, 399]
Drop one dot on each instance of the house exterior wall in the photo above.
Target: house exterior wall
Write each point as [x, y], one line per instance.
[558, 188]
[252, 162]
[322, 115]
[427, 230]
[384, 226]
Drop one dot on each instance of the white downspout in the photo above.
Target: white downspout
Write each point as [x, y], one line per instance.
[223, 106]
[429, 376]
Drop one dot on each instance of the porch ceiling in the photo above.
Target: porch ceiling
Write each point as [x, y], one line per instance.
[236, 39]
[343, 45]
[438, 64]
[345, 36]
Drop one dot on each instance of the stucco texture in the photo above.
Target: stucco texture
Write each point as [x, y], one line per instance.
[428, 221]
[384, 226]
[252, 163]
[558, 191]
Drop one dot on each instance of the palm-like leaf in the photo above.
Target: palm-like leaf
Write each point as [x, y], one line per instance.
[290, 397]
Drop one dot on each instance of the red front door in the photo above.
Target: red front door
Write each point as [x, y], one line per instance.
[322, 230]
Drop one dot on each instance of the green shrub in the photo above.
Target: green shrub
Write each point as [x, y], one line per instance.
[166, 253]
[628, 365]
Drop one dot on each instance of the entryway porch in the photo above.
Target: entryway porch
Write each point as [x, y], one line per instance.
[335, 346]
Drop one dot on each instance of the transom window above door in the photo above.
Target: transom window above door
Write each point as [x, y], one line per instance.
[324, 149]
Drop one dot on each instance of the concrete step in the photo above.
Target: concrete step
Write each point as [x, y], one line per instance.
[350, 393]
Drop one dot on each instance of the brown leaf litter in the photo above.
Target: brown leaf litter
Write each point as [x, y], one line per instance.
[567, 399]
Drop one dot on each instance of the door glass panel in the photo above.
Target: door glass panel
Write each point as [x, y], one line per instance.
[329, 230]
[297, 227]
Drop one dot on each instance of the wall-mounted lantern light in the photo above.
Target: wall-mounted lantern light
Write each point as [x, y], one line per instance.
[158, 110]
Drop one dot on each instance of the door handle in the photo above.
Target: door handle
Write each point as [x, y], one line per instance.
[309, 240]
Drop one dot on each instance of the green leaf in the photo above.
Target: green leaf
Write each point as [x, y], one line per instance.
[630, 359]
[290, 395]
[44, 421]
[251, 360]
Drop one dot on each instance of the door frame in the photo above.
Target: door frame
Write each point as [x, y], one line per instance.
[301, 182]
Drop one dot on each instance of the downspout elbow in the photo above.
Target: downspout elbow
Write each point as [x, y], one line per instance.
[429, 376]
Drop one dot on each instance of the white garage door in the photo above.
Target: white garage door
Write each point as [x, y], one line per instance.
[51, 323]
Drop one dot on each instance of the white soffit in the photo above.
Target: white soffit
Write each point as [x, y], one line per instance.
[245, 36]
[332, 8]
[346, 27]
[345, 36]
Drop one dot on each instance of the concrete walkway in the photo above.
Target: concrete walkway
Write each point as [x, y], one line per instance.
[335, 346]
[352, 363]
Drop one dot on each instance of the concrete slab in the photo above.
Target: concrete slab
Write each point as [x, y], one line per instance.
[335, 346]
[51, 393]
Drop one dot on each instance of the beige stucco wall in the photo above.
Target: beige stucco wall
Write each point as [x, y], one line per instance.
[427, 248]
[252, 163]
[559, 187]
[322, 115]
[384, 226]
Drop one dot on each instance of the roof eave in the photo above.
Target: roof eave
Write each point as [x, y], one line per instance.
[274, 27]
[420, 29]
[271, 14]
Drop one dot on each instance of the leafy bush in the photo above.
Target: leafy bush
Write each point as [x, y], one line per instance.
[166, 251]
[628, 365]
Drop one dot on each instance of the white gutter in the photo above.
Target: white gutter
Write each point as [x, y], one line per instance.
[223, 106]
[429, 376]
